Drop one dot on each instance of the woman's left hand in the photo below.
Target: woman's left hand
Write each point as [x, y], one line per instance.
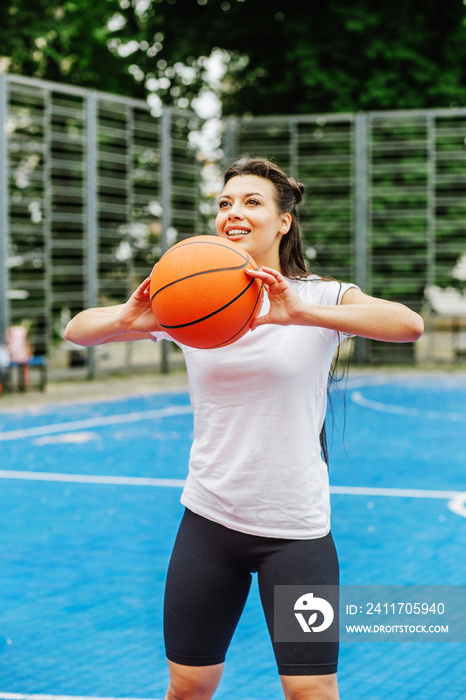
[285, 305]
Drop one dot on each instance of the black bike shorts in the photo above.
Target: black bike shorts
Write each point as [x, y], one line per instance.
[208, 582]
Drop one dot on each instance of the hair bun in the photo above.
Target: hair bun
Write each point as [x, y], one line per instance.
[298, 189]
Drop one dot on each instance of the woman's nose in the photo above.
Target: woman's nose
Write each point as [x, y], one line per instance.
[235, 213]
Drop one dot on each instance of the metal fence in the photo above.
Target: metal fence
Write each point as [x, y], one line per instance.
[386, 208]
[93, 188]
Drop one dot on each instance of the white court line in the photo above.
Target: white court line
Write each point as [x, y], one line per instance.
[94, 422]
[28, 696]
[147, 481]
[179, 483]
[90, 479]
[396, 493]
[457, 505]
[361, 400]
[456, 499]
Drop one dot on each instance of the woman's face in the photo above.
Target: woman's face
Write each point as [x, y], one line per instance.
[248, 215]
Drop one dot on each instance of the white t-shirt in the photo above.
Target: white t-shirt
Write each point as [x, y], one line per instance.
[259, 406]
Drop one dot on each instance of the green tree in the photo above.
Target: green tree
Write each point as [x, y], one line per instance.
[280, 57]
[344, 57]
[63, 40]
[289, 58]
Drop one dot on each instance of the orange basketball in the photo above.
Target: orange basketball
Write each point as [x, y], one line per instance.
[201, 294]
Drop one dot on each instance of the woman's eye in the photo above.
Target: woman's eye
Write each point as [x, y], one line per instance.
[253, 201]
[222, 205]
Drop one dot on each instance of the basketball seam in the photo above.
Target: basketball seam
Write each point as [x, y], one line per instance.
[197, 274]
[228, 340]
[220, 242]
[213, 313]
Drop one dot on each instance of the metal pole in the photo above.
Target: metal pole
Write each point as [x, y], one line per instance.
[130, 267]
[431, 208]
[361, 192]
[166, 185]
[231, 125]
[4, 210]
[91, 270]
[48, 245]
[294, 148]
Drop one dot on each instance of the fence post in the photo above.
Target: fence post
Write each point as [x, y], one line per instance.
[4, 209]
[46, 340]
[431, 237]
[294, 148]
[166, 187]
[231, 125]
[91, 268]
[361, 218]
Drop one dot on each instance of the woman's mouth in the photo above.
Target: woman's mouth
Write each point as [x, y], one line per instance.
[236, 232]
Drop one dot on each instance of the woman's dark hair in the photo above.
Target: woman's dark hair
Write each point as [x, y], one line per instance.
[288, 193]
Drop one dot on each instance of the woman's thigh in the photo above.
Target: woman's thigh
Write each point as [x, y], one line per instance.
[205, 593]
[300, 563]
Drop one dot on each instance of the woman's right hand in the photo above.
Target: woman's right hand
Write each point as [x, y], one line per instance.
[133, 320]
[136, 314]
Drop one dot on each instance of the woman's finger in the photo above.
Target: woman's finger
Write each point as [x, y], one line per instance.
[261, 274]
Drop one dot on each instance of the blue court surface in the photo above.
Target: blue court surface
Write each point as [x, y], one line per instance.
[89, 507]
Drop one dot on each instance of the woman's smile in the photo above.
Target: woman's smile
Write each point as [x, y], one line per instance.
[236, 231]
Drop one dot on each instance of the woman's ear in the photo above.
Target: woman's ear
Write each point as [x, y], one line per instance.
[286, 223]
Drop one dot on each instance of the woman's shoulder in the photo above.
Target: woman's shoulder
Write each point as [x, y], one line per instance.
[320, 290]
[312, 282]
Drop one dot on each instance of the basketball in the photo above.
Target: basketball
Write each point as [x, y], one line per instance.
[201, 295]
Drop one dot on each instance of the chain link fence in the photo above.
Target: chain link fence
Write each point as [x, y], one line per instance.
[385, 207]
[93, 188]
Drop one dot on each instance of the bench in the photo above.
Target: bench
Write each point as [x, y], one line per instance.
[38, 362]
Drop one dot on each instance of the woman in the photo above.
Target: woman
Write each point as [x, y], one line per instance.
[257, 494]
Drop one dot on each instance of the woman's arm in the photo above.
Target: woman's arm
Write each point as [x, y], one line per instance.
[367, 317]
[358, 313]
[133, 320]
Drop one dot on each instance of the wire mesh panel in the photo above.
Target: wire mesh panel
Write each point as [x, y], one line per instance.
[319, 152]
[399, 178]
[185, 180]
[65, 164]
[90, 205]
[385, 204]
[417, 218]
[94, 188]
[128, 195]
[30, 249]
[399, 197]
[325, 162]
[449, 198]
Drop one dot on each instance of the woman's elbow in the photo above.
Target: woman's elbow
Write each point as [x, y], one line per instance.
[72, 335]
[414, 328]
[68, 334]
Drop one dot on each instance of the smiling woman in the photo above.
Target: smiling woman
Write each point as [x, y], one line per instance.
[256, 501]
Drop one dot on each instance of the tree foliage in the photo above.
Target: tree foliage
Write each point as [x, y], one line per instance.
[345, 57]
[64, 41]
[279, 57]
